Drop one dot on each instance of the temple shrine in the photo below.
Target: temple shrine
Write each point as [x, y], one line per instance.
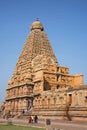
[40, 82]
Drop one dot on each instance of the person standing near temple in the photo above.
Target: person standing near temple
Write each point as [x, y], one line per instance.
[30, 119]
[35, 119]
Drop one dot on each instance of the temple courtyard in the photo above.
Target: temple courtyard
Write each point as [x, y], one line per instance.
[20, 124]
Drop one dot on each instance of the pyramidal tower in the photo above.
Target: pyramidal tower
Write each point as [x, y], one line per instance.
[37, 53]
[37, 72]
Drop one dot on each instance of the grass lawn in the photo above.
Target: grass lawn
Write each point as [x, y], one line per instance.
[14, 127]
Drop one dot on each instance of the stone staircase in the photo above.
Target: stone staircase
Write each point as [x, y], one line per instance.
[24, 115]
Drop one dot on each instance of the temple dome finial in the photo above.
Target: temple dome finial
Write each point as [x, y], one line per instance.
[37, 19]
[37, 25]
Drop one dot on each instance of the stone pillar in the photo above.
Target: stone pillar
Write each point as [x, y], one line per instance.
[69, 99]
[58, 101]
[80, 99]
[65, 99]
[48, 102]
[75, 99]
[20, 90]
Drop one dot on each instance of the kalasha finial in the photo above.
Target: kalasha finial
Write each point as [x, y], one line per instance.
[36, 25]
[37, 19]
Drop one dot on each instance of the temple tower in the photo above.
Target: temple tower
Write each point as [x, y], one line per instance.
[37, 72]
[36, 54]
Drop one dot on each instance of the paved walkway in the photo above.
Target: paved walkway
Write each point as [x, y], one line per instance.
[65, 125]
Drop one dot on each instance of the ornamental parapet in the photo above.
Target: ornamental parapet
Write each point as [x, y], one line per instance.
[20, 85]
[24, 95]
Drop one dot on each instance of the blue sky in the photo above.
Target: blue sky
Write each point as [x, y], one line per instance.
[65, 23]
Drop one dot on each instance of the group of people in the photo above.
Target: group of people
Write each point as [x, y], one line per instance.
[33, 119]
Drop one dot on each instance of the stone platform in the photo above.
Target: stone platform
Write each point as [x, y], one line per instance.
[55, 124]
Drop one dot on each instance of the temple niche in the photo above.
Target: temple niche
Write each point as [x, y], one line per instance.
[39, 81]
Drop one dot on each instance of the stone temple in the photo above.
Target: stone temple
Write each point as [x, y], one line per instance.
[39, 82]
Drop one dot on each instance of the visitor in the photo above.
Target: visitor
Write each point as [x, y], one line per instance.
[35, 119]
[30, 119]
[23, 111]
[29, 108]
